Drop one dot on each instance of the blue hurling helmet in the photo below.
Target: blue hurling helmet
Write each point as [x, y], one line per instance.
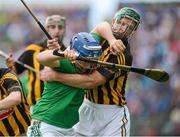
[86, 45]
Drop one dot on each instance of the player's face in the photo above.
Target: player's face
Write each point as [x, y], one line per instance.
[124, 26]
[56, 31]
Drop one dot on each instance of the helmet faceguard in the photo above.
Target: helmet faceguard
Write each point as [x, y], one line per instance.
[86, 46]
[127, 18]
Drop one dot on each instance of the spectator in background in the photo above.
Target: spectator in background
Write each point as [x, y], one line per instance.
[56, 27]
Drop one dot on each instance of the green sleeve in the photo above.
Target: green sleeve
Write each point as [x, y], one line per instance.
[66, 66]
[97, 37]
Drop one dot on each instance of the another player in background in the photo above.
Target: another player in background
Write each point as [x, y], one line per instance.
[56, 27]
[14, 110]
[104, 111]
[57, 111]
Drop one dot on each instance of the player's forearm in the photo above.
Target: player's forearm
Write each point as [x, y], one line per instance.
[79, 80]
[74, 80]
[13, 99]
[105, 31]
[47, 58]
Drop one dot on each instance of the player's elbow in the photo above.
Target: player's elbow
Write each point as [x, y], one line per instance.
[16, 97]
[38, 58]
[93, 84]
[97, 80]
[41, 59]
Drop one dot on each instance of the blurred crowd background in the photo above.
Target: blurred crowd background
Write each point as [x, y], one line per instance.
[154, 107]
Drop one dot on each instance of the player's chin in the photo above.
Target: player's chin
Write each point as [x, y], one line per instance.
[57, 37]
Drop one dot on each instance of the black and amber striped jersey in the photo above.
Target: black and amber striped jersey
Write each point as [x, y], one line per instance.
[113, 91]
[35, 85]
[13, 121]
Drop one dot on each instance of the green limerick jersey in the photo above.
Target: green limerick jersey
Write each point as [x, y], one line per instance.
[60, 103]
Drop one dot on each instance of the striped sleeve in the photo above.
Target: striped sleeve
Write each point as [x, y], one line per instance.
[11, 82]
[27, 57]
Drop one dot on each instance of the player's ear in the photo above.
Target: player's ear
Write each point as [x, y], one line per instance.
[113, 20]
[47, 28]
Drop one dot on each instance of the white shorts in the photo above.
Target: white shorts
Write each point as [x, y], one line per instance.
[102, 120]
[39, 129]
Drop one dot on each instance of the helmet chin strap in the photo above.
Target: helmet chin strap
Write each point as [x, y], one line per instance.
[119, 35]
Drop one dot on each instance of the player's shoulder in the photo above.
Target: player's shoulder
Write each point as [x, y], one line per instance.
[7, 73]
[4, 71]
[39, 45]
[97, 36]
[33, 47]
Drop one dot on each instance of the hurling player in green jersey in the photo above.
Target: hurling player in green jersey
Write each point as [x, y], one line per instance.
[57, 111]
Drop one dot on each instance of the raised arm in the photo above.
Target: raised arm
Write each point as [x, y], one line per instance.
[105, 31]
[48, 59]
